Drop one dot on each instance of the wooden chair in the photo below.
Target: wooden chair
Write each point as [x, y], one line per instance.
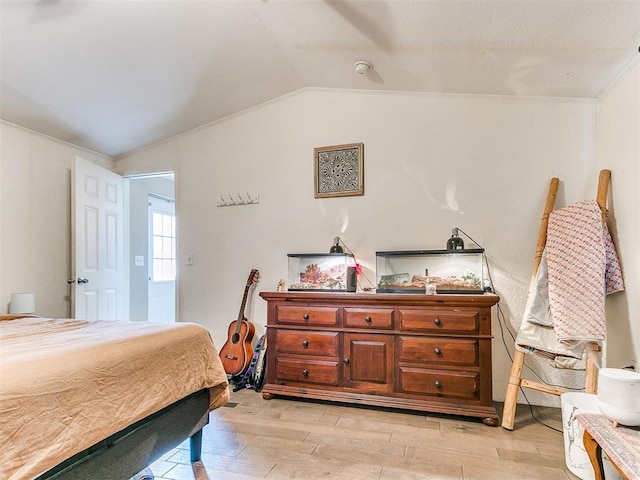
[592, 348]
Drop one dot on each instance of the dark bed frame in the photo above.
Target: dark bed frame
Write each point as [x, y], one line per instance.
[124, 454]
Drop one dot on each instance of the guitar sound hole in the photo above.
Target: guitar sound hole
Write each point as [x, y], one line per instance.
[235, 338]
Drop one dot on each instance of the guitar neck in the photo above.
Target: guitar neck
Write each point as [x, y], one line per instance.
[250, 281]
[242, 307]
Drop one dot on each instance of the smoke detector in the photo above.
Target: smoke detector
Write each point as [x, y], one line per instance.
[362, 67]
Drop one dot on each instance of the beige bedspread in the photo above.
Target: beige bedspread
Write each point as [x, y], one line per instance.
[67, 384]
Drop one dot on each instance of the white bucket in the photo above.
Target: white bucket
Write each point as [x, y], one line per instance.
[575, 454]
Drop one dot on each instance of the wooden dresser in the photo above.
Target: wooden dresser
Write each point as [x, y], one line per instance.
[419, 352]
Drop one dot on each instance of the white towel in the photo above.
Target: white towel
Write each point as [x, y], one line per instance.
[537, 310]
[536, 334]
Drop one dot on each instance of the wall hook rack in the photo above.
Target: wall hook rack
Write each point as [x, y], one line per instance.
[238, 200]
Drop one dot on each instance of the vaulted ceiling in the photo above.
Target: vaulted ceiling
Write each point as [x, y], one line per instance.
[114, 76]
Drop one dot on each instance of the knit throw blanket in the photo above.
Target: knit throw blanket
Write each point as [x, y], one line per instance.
[583, 268]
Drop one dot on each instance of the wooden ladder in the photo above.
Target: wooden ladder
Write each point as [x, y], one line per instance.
[591, 370]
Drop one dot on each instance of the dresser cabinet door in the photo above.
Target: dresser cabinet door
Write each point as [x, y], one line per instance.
[368, 362]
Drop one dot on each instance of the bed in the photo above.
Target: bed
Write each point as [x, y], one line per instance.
[101, 399]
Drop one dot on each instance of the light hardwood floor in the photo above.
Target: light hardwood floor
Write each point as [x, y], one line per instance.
[252, 438]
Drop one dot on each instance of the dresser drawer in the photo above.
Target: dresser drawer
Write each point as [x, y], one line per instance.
[321, 372]
[439, 350]
[303, 342]
[368, 318]
[302, 315]
[439, 321]
[440, 383]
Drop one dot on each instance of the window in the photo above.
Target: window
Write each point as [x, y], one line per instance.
[163, 247]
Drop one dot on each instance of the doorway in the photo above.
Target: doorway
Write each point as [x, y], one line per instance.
[152, 248]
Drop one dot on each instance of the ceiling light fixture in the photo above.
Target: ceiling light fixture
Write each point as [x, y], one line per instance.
[362, 67]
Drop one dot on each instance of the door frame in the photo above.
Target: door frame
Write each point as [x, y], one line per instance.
[141, 173]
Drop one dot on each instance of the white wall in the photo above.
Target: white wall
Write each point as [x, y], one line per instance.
[35, 217]
[431, 163]
[618, 148]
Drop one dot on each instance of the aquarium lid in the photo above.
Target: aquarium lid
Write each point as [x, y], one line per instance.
[429, 252]
[319, 255]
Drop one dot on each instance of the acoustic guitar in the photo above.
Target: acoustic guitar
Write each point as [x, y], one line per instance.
[237, 351]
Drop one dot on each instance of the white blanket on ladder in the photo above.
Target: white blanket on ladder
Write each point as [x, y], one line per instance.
[536, 334]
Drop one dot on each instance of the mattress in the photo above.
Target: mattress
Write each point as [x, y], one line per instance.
[66, 384]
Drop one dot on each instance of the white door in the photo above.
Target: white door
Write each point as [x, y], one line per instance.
[97, 243]
[162, 264]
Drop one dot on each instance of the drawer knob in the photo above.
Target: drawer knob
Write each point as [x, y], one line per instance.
[305, 316]
[367, 319]
[437, 321]
[438, 384]
[437, 351]
[345, 361]
[305, 343]
[305, 373]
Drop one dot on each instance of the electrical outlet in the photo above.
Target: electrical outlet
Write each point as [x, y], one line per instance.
[139, 261]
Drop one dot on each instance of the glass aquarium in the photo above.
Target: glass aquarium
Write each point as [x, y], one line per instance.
[451, 271]
[321, 271]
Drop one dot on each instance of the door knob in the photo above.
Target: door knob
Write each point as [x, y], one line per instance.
[82, 281]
